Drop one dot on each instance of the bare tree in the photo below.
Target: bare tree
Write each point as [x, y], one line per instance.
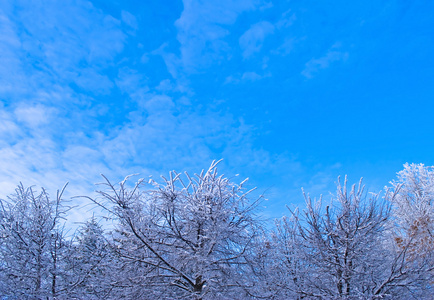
[413, 225]
[89, 263]
[190, 235]
[198, 237]
[414, 209]
[32, 245]
[341, 251]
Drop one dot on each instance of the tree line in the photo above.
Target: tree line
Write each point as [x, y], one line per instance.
[202, 237]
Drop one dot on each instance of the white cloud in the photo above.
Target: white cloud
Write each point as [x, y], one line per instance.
[313, 66]
[165, 85]
[251, 76]
[59, 39]
[93, 81]
[133, 83]
[161, 135]
[58, 44]
[33, 116]
[129, 19]
[246, 77]
[251, 41]
[10, 131]
[12, 76]
[286, 47]
[45, 47]
[202, 31]
[29, 161]
[173, 63]
[231, 79]
[288, 18]
[159, 104]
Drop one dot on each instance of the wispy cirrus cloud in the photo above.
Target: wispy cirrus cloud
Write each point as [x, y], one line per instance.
[246, 77]
[202, 29]
[287, 19]
[54, 117]
[11, 68]
[251, 41]
[51, 53]
[67, 43]
[130, 20]
[315, 65]
[83, 94]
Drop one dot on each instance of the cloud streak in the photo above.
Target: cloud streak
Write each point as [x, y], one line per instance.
[315, 65]
[251, 41]
[201, 30]
[90, 89]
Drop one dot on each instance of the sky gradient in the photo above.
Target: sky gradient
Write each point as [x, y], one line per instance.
[289, 93]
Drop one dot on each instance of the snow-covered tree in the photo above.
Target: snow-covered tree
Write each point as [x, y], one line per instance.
[414, 209]
[346, 250]
[89, 263]
[198, 237]
[413, 224]
[32, 245]
[339, 251]
[271, 262]
[189, 235]
[335, 242]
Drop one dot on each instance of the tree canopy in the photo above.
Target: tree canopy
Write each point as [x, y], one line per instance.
[202, 237]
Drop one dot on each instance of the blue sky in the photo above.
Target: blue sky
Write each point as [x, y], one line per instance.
[289, 93]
